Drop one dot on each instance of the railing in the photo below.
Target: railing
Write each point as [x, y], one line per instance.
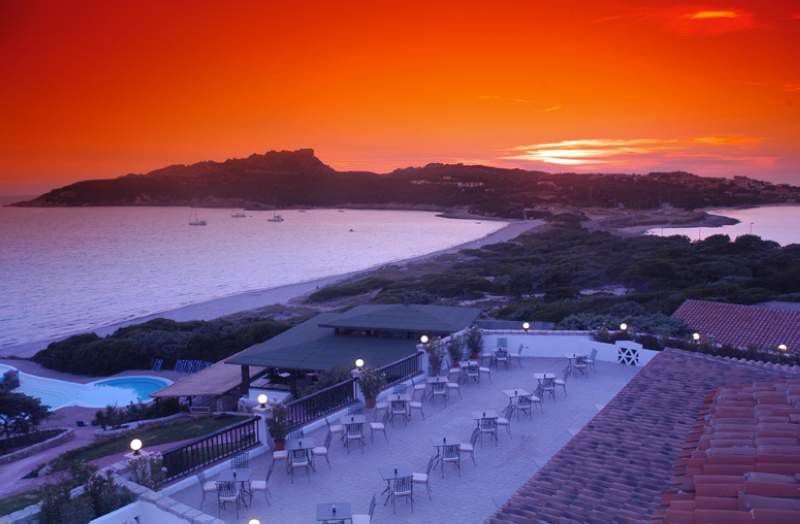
[209, 449]
[403, 369]
[320, 403]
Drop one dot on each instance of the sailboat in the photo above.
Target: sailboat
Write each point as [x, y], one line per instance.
[239, 214]
[275, 218]
[194, 220]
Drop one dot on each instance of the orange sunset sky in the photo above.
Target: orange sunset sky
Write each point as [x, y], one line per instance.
[100, 89]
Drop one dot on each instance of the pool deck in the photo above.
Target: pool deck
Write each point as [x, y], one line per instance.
[473, 496]
[33, 368]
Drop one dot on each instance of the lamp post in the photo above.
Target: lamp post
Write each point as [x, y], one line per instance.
[262, 400]
[253, 521]
[696, 337]
[136, 446]
[359, 363]
[424, 339]
[623, 327]
[526, 326]
[783, 348]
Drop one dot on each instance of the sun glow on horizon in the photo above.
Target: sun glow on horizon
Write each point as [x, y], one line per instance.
[713, 14]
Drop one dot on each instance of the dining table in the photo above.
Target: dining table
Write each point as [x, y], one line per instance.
[485, 414]
[541, 377]
[515, 393]
[393, 472]
[330, 512]
[241, 477]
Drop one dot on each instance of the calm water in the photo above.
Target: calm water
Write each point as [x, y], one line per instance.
[778, 223]
[68, 269]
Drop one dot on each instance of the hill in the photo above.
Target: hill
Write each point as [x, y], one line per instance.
[300, 179]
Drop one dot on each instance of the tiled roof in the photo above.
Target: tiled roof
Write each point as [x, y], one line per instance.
[742, 326]
[619, 465]
[741, 462]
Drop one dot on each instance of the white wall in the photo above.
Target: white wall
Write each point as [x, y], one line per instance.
[146, 513]
[556, 344]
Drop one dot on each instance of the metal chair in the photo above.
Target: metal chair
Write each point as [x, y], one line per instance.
[362, 518]
[549, 387]
[474, 372]
[379, 427]
[439, 389]
[402, 487]
[518, 355]
[581, 364]
[470, 447]
[505, 420]
[207, 486]
[241, 460]
[451, 455]
[324, 450]
[398, 409]
[525, 404]
[488, 426]
[425, 478]
[299, 459]
[228, 493]
[562, 382]
[336, 429]
[262, 485]
[420, 387]
[354, 433]
[279, 455]
[454, 386]
[501, 355]
[418, 405]
[485, 370]
[592, 360]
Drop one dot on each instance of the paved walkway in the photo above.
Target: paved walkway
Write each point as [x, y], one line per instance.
[480, 490]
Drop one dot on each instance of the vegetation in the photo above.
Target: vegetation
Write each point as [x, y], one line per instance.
[435, 358]
[279, 423]
[541, 276]
[455, 350]
[9, 445]
[138, 345]
[114, 417]
[101, 496]
[474, 342]
[148, 470]
[371, 381]
[327, 378]
[20, 413]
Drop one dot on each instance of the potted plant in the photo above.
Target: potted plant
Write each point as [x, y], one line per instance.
[372, 382]
[455, 351]
[279, 425]
[474, 343]
[435, 358]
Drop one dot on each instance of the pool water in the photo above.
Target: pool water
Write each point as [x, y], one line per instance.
[101, 393]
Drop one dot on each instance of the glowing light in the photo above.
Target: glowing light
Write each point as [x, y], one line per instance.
[263, 399]
[424, 339]
[359, 363]
[623, 326]
[253, 521]
[783, 348]
[526, 326]
[714, 14]
[136, 445]
[695, 336]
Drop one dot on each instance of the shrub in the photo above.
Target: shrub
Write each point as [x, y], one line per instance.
[455, 350]
[474, 341]
[435, 358]
[148, 470]
[279, 423]
[20, 413]
[113, 416]
[372, 382]
[326, 379]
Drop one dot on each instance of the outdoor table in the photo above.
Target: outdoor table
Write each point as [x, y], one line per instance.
[516, 392]
[301, 444]
[393, 472]
[573, 357]
[239, 476]
[334, 512]
[353, 419]
[446, 440]
[542, 376]
[399, 397]
[436, 383]
[477, 416]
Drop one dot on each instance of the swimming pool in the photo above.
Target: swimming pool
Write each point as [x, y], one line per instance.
[118, 391]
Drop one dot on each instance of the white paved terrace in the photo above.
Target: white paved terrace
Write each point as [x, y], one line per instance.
[480, 490]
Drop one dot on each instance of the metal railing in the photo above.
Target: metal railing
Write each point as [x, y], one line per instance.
[403, 369]
[320, 403]
[209, 449]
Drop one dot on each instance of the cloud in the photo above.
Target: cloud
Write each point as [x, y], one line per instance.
[523, 101]
[711, 153]
[792, 88]
[683, 19]
[713, 15]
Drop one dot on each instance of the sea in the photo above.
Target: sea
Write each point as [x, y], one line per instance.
[68, 270]
[778, 223]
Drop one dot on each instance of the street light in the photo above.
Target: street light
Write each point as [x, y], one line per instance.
[359, 363]
[253, 521]
[136, 446]
[782, 348]
[424, 339]
[526, 326]
[623, 326]
[263, 399]
[696, 337]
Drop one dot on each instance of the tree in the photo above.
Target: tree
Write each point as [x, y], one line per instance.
[20, 413]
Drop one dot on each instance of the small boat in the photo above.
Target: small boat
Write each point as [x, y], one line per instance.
[194, 220]
[239, 214]
[275, 218]
[340, 210]
[352, 230]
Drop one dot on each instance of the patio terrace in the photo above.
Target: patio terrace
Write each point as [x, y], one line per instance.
[474, 496]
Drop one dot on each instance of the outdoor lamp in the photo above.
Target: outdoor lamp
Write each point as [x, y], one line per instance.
[623, 326]
[136, 445]
[263, 399]
[424, 339]
[359, 363]
[696, 337]
[783, 348]
[253, 521]
[526, 326]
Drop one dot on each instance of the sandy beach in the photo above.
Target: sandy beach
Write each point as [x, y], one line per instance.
[278, 295]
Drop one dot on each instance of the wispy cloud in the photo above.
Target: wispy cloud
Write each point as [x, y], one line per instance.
[792, 88]
[713, 14]
[711, 152]
[707, 20]
[522, 101]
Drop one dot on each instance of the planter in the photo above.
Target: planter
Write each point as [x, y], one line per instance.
[280, 445]
[474, 356]
[370, 403]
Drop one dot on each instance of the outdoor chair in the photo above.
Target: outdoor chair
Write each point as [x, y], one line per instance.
[502, 343]
[470, 447]
[562, 382]
[505, 420]
[228, 493]
[241, 460]
[525, 404]
[425, 478]
[488, 426]
[454, 386]
[474, 372]
[262, 485]
[518, 355]
[362, 518]
[381, 406]
[439, 389]
[279, 455]
[299, 459]
[380, 427]
[402, 487]
[592, 360]
[354, 433]
[398, 409]
[451, 455]
[581, 365]
[207, 486]
[324, 450]
[501, 356]
[537, 397]
[416, 404]
[549, 387]
[418, 387]
[454, 374]
[336, 429]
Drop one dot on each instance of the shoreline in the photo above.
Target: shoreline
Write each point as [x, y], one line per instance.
[283, 295]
